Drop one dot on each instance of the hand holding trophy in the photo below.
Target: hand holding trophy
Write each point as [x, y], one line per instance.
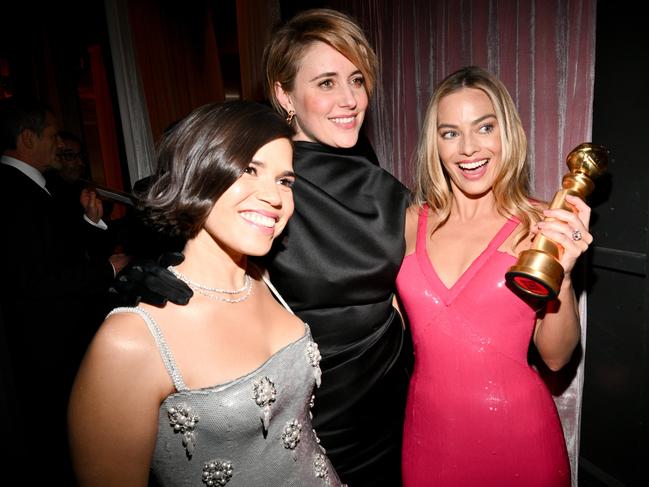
[538, 271]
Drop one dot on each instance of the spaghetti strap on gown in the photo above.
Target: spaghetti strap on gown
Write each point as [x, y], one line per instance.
[477, 413]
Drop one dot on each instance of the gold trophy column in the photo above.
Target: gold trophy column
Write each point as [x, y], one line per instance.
[538, 271]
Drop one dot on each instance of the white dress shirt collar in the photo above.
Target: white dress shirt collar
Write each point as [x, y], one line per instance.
[30, 171]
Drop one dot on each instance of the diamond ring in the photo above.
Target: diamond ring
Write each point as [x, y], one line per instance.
[576, 235]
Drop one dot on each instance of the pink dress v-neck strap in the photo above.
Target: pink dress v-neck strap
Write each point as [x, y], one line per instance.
[449, 294]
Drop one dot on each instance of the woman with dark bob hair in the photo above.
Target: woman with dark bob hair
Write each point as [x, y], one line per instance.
[218, 391]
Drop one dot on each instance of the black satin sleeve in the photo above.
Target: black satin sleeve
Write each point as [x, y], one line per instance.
[336, 266]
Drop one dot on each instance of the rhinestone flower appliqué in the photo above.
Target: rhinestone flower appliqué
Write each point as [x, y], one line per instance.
[183, 421]
[265, 394]
[291, 435]
[217, 472]
[313, 357]
[320, 468]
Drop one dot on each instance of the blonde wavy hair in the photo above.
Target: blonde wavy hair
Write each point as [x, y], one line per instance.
[511, 185]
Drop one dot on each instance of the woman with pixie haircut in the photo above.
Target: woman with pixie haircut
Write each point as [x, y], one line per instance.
[337, 263]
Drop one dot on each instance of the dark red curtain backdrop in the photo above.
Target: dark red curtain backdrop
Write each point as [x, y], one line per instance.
[543, 52]
[178, 59]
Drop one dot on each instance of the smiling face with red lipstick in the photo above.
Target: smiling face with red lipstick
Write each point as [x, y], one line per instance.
[469, 141]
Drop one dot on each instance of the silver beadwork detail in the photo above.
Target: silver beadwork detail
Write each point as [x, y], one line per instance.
[320, 468]
[311, 404]
[217, 472]
[265, 394]
[183, 421]
[313, 356]
[291, 435]
[317, 440]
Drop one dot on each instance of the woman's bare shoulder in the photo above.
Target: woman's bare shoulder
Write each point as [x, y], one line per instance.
[123, 353]
[123, 336]
[412, 220]
[412, 214]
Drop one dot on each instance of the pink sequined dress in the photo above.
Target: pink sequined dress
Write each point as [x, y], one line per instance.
[477, 413]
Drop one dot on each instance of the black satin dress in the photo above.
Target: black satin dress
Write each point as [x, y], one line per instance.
[336, 266]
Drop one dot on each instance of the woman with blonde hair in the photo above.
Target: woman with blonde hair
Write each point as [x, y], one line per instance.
[477, 412]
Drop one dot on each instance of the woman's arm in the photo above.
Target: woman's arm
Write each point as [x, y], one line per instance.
[410, 230]
[113, 410]
[558, 329]
[410, 236]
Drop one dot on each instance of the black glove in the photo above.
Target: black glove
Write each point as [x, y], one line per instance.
[151, 282]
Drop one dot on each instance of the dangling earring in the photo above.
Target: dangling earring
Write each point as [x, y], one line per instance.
[289, 117]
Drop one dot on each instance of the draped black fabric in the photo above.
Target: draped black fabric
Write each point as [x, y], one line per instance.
[336, 266]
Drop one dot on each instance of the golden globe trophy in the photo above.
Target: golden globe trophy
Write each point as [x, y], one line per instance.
[538, 271]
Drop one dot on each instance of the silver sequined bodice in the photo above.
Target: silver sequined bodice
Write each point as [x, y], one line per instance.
[253, 431]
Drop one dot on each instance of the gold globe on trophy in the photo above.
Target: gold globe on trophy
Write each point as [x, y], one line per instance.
[538, 271]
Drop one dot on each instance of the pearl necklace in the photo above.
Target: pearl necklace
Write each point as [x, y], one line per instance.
[210, 292]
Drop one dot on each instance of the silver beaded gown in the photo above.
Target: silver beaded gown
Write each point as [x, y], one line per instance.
[252, 431]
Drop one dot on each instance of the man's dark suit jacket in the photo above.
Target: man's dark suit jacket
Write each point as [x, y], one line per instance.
[51, 295]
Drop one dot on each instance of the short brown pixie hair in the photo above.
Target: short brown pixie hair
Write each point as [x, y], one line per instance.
[201, 157]
[283, 53]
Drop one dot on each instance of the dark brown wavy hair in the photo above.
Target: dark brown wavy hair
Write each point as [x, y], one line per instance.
[201, 157]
